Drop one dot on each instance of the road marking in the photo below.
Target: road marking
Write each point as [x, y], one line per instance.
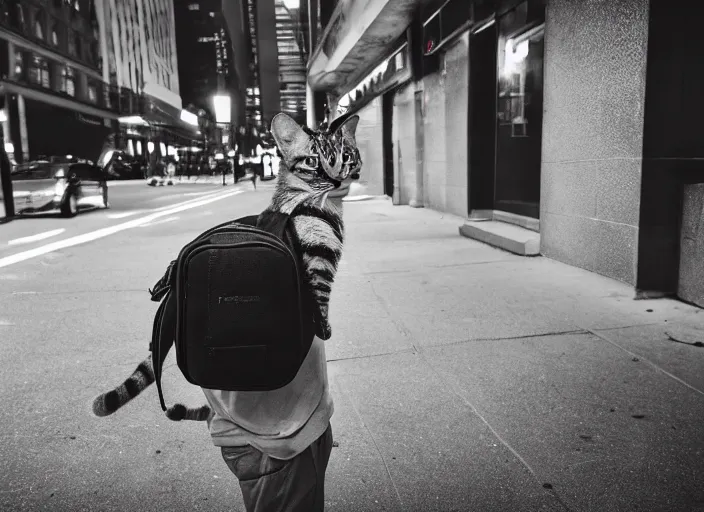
[123, 214]
[162, 221]
[195, 193]
[34, 238]
[100, 233]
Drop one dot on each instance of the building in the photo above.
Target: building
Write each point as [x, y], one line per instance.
[56, 101]
[269, 68]
[204, 50]
[553, 127]
[138, 46]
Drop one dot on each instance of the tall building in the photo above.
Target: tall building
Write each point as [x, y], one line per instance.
[50, 77]
[269, 64]
[204, 51]
[566, 129]
[138, 45]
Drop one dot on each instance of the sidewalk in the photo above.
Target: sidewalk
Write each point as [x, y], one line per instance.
[467, 378]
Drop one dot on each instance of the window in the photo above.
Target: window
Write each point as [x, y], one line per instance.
[92, 93]
[194, 7]
[39, 71]
[68, 81]
[54, 37]
[71, 42]
[18, 17]
[19, 65]
[78, 46]
[38, 30]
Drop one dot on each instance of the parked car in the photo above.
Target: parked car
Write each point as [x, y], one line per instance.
[44, 186]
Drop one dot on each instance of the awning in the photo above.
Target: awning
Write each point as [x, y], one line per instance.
[357, 37]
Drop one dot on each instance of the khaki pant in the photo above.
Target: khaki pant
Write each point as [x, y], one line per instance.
[273, 485]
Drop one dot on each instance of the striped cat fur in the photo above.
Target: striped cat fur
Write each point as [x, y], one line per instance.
[312, 165]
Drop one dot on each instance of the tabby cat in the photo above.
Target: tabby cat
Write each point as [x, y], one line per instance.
[313, 164]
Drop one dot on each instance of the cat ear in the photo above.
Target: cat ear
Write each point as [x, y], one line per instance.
[289, 137]
[348, 129]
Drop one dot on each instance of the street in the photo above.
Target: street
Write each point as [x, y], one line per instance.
[464, 378]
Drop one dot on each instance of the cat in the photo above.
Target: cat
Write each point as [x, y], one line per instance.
[313, 163]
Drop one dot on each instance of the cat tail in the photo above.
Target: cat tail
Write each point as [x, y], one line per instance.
[180, 412]
[110, 401]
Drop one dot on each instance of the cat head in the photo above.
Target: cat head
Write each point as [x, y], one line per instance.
[317, 162]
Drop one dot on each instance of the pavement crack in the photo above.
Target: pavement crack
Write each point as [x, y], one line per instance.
[505, 443]
[449, 265]
[369, 356]
[399, 326]
[645, 360]
[509, 338]
[69, 292]
[369, 432]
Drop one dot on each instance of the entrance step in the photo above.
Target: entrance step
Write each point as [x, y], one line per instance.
[509, 237]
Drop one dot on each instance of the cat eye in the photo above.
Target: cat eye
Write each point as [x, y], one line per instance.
[347, 158]
[311, 161]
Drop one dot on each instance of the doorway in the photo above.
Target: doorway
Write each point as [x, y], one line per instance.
[482, 118]
[519, 120]
[506, 113]
[387, 113]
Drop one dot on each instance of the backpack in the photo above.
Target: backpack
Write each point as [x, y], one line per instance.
[236, 307]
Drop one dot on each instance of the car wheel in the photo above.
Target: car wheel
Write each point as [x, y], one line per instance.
[69, 206]
[106, 204]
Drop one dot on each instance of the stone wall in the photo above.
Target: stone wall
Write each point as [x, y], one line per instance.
[595, 68]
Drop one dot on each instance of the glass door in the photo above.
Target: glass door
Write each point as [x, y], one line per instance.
[519, 112]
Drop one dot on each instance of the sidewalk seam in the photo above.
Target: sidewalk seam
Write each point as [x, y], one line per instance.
[476, 412]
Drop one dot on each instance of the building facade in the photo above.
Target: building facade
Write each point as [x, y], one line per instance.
[50, 77]
[204, 51]
[269, 66]
[548, 125]
[137, 41]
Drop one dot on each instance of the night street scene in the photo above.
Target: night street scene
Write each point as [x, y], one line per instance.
[351, 255]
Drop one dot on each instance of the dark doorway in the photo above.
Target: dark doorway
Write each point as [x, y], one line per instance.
[482, 118]
[520, 117]
[387, 114]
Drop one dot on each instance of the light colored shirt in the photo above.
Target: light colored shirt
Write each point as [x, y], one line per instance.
[280, 423]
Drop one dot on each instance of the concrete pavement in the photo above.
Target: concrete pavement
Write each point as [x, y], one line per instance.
[464, 379]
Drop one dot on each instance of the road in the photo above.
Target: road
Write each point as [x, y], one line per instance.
[129, 201]
[73, 322]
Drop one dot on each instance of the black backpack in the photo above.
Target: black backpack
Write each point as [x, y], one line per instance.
[236, 306]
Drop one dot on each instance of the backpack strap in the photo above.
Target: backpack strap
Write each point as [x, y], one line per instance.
[163, 333]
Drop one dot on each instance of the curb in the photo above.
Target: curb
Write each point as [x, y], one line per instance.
[351, 199]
